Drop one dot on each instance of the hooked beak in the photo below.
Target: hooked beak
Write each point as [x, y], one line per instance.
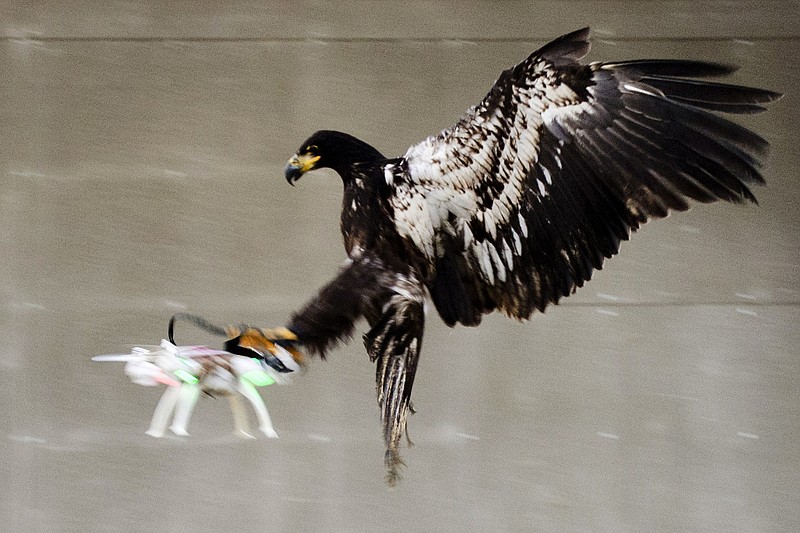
[299, 165]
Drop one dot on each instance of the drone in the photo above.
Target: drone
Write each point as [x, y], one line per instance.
[189, 370]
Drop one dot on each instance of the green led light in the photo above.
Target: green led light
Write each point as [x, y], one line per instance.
[259, 378]
[186, 377]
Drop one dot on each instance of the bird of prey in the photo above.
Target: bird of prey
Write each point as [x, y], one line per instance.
[517, 204]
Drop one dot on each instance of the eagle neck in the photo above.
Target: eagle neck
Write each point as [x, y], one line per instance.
[353, 157]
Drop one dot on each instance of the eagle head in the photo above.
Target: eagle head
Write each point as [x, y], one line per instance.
[308, 157]
[330, 149]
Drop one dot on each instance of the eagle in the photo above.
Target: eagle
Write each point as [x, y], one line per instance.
[516, 205]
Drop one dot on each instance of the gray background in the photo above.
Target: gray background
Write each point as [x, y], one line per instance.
[141, 174]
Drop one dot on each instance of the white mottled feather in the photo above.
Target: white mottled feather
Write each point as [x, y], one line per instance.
[480, 179]
[443, 174]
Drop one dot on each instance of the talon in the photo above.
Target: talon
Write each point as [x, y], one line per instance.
[393, 462]
[275, 346]
[233, 331]
[279, 334]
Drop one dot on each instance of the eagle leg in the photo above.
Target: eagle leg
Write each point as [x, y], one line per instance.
[394, 343]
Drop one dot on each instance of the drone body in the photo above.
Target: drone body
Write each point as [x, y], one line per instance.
[189, 370]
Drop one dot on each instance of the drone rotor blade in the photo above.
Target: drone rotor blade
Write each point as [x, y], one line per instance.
[117, 357]
[199, 351]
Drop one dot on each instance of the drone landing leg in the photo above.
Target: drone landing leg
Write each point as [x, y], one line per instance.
[241, 424]
[264, 422]
[183, 412]
[163, 410]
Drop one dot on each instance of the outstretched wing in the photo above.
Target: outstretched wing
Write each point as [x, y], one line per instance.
[518, 203]
[394, 342]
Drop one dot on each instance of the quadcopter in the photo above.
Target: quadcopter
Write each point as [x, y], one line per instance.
[189, 370]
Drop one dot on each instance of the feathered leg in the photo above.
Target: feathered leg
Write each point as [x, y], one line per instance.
[394, 343]
[393, 303]
[329, 317]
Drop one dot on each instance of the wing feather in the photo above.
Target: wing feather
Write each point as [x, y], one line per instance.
[519, 202]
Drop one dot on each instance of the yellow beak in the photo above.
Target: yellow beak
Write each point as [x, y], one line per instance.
[299, 165]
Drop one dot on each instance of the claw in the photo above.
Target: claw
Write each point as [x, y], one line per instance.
[393, 462]
[269, 344]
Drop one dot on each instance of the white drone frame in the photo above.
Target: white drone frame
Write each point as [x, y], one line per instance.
[178, 368]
